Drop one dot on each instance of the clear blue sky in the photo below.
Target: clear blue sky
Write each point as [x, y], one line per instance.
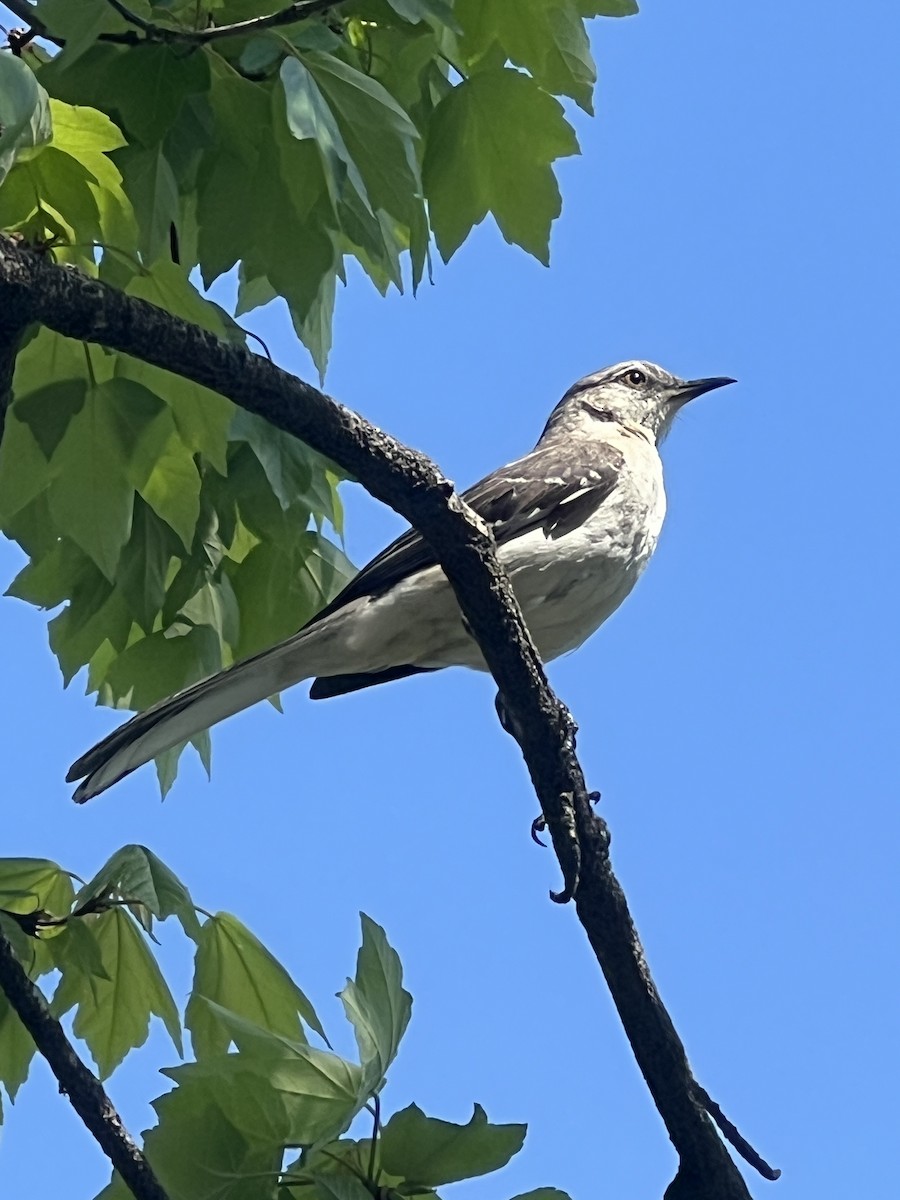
[734, 212]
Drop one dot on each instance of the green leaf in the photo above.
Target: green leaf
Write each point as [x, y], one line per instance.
[153, 191]
[234, 969]
[429, 1152]
[159, 665]
[91, 499]
[24, 112]
[113, 1016]
[78, 25]
[272, 603]
[376, 1003]
[309, 117]
[135, 873]
[202, 417]
[150, 83]
[290, 1094]
[144, 566]
[324, 569]
[17, 1049]
[543, 1193]
[48, 579]
[24, 470]
[198, 1153]
[30, 885]
[607, 8]
[87, 137]
[490, 147]
[379, 135]
[286, 461]
[548, 39]
[48, 411]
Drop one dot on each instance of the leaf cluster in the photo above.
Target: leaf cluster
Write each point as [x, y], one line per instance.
[258, 1091]
[159, 157]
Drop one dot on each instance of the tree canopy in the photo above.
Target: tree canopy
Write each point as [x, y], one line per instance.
[160, 147]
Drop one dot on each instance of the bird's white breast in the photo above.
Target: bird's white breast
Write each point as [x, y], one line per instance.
[569, 586]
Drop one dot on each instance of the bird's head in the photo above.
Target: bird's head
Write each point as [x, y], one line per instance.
[635, 393]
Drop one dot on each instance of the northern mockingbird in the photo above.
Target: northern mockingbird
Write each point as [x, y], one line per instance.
[576, 521]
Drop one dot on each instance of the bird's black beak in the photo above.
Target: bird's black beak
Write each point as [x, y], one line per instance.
[690, 389]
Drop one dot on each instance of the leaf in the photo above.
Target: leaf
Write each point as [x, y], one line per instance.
[48, 411]
[291, 1094]
[24, 470]
[607, 8]
[376, 1003]
[30, 885]
[234, 969]
[159, 665]
[490, 146]
[153, 191]
[17, 1049]
[202, 417]
[144, 566]
[309, 117]
[150, 83]
[135, 873]
[548, 39]
[429, 1152]
[543, 1193]
[113, 1016]
[90, 498]
[24, 112]
[87, 137]
[379, 135]
[79, 24]
[197, 1152]
[271, 603]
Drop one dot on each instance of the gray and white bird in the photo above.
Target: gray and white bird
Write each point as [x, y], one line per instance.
[575, 521]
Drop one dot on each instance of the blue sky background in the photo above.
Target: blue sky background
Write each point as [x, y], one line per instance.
[734, 212]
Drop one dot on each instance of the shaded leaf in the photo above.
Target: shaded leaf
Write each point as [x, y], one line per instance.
[490, 147]
[430, 1152]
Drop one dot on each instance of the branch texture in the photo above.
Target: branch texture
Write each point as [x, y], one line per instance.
[83, 1088]
[72, 304]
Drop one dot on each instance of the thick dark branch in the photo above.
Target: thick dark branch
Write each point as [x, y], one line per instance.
[86, 1095]
[68, 302]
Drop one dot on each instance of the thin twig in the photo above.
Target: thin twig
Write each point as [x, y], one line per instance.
[732, 1134]
[146, 31]
[81, 1085]
[132, 18]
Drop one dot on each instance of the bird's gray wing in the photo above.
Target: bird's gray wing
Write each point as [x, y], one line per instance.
[541, 490]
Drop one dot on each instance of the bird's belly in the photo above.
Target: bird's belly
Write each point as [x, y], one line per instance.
[567, 592]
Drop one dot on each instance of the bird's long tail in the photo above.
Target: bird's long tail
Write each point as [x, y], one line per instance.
[174, 721]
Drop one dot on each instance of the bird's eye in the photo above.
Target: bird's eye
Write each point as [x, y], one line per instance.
[635, 377]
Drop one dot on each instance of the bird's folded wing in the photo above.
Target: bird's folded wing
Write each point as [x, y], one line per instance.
[538, 491]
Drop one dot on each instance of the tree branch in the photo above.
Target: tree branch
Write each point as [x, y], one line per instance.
[83, 1088]
[146, 31]
[72, 304]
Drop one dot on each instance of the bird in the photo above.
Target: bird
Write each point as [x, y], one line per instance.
[575, 522]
